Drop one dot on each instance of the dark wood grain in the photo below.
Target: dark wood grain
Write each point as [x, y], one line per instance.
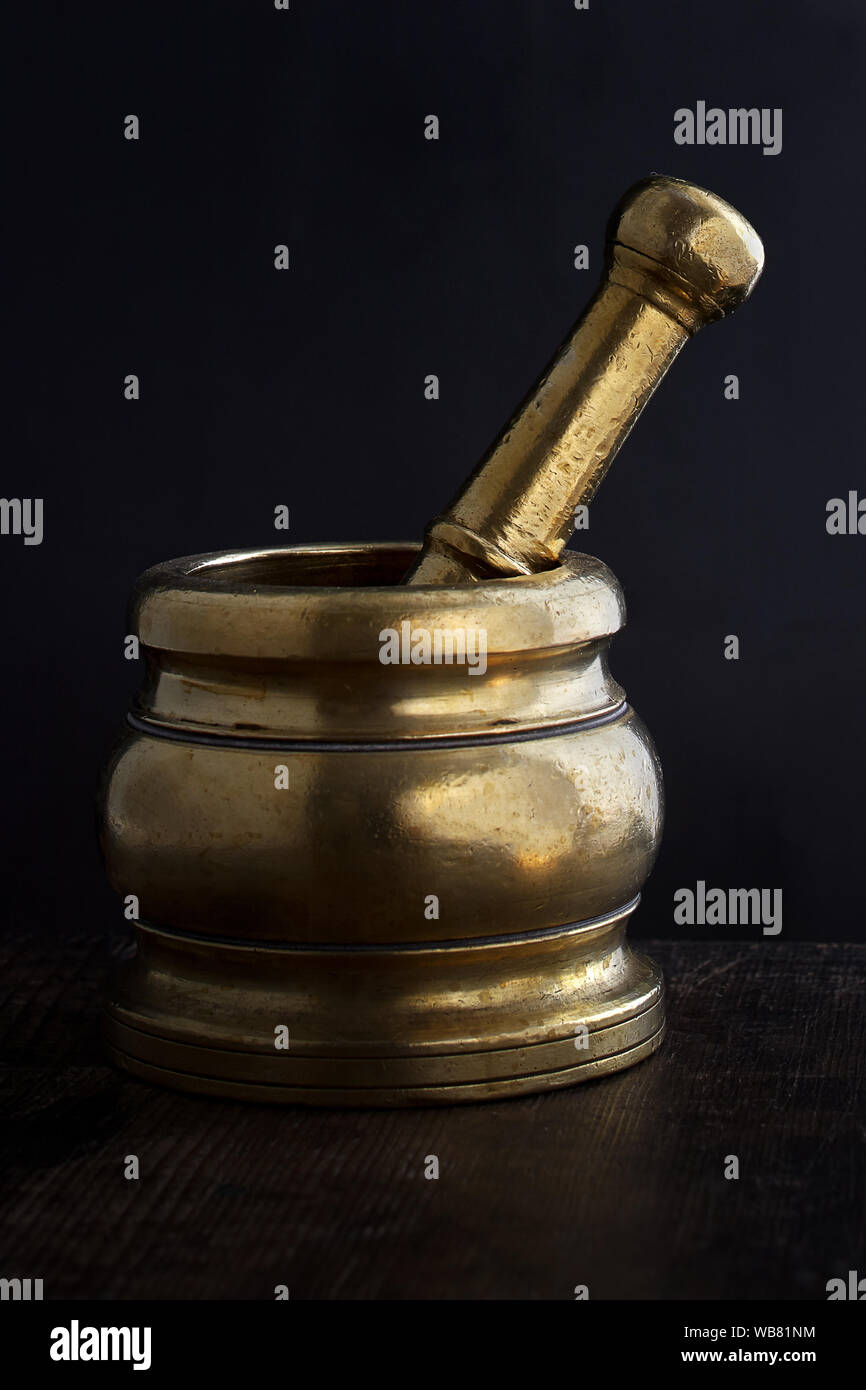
[617, 1184]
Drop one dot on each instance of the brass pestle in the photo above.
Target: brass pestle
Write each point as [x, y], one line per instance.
[677, 257]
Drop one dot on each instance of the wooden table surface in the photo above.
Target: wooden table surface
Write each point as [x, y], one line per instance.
[617, 1184]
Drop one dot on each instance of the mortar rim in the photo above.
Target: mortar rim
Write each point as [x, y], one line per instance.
[193, 604]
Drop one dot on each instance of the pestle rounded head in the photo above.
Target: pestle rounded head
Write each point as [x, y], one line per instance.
[697, 246]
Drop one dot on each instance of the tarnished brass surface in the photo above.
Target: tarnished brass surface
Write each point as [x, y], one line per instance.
[678, 257]
[527, 799]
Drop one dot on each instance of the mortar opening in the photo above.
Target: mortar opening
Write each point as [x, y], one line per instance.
[339, 568]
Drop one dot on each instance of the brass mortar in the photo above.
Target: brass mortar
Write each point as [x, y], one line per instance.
[288, 942]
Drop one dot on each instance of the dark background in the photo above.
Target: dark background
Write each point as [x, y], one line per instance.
[454, 257]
